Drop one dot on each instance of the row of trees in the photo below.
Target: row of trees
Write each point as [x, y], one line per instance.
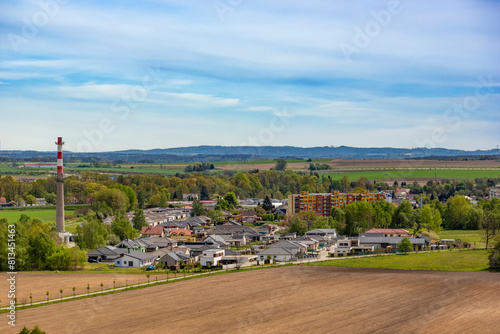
[153, 189]
[37, 247]
[358, 217]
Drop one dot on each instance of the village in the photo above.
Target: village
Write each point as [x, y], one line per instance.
[175, 240]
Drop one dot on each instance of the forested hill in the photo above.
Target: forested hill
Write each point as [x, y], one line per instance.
[246, 153]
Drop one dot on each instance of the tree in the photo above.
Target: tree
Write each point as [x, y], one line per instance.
[494, 256]
[122, 228]
[131, 195]
[231, 200]
[215, 215]
[204, 194]
[280, 165]
[91, 234]
[139, 219]
[109, 199]
[198, 209]
[491, 224]
[267, 205]
[344, 184]
[35, 330]
[405, 245]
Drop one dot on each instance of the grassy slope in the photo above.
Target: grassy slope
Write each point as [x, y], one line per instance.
[456, 260]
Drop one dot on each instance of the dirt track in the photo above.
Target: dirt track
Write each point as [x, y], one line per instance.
[298, 299]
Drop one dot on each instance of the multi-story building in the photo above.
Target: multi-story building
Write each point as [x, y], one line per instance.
[321, 204]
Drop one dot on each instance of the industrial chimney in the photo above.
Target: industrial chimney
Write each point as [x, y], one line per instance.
[60, 187]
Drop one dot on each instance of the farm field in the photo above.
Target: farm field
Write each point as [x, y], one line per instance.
[298, 299]
[452, 260]
[388, 170]
[38, 283]
[429, 174]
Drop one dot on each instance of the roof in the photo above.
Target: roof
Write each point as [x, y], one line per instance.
[137, 243]
[152, 230]
[178, 231]
[275, 251]
[140, 255]
[178, 256]
[322, 231]
[388, 231]
[107, 250]
[288, 244]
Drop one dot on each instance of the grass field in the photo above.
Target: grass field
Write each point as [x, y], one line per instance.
[453, 260]
[44, 213]
[475, 237]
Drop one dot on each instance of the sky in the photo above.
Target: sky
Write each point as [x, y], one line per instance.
[123, 74]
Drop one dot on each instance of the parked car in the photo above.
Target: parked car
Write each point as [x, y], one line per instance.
[150, 267]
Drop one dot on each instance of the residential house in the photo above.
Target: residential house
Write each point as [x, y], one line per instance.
[295, 247]
[105, 254]
[175, 259]
[182, 234]
[386, 232]
[237, 240]
[153, 230]
[135, 259]
[391, 243]
[133, 245]
[278, 254]
[494, 192]
[211, 257]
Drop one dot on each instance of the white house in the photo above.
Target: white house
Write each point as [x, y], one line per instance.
[278, 254]
[212, 256]
[135, 259]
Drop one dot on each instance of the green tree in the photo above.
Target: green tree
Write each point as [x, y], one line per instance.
[267, 205]
[109, 199]
[198, 209]
[139, 219]
[91, 234]
[231, 199]
[215, 215]
[405, 245]
[131, 195]
[122, 228]
[204, 194]
[280, 165]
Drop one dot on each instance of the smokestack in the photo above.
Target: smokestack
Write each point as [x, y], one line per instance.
[60, 187]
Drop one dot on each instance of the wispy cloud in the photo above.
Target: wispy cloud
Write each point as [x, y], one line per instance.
[262, 54]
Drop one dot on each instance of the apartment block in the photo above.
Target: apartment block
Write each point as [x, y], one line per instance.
[323, 203]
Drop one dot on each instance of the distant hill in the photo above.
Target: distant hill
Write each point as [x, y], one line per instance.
[248, 153]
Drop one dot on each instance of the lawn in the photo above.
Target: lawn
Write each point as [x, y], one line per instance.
[44, 215]
[451, 260]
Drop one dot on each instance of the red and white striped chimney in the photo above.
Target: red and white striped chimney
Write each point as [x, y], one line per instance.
[60, 144]
[60, 187]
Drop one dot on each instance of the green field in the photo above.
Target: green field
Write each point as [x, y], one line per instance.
[44, 215]
[451, 260]
[475, 237]
[402, 174]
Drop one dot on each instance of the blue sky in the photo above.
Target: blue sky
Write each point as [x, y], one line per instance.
[155, 74]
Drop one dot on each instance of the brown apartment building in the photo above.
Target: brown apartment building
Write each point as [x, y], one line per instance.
[322, 203]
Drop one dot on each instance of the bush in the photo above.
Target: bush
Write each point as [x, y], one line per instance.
[494, 256]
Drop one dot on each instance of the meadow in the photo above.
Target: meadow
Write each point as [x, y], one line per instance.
[449, 260]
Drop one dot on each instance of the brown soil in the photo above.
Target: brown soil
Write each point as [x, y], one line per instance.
[299, 299]
[346, 164]
[38, 284]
